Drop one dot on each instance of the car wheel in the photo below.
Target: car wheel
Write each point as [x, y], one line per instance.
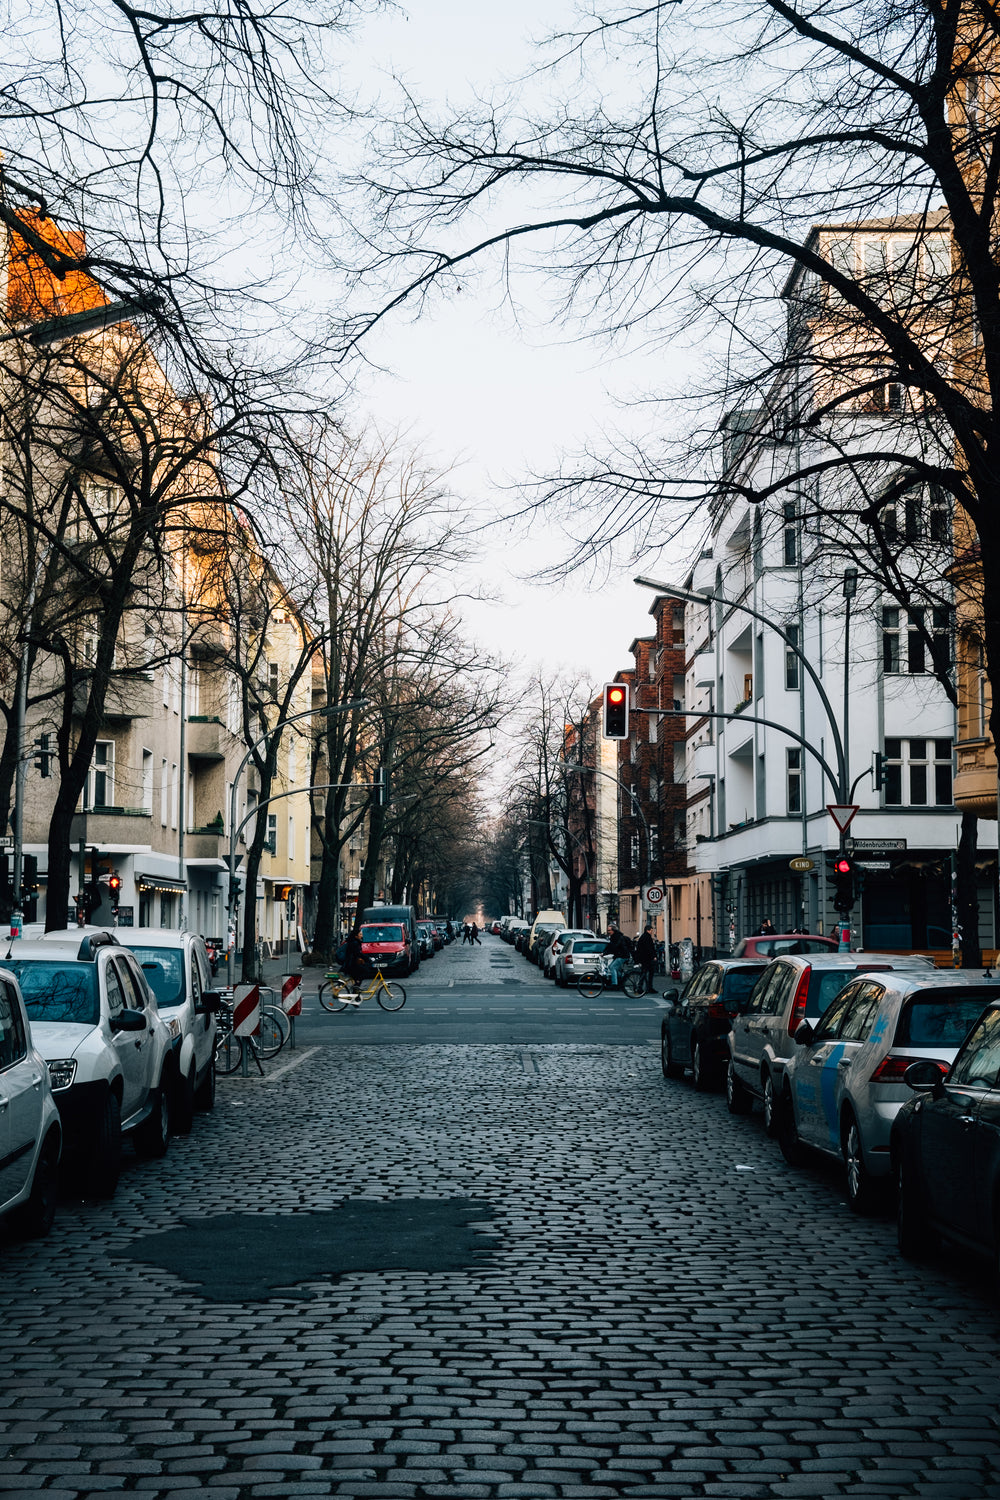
[182, 1104]
[770, 1105]
[739, 1100]
[671, 1068]
[913, 1237]
[702, 1075]
[787, 1133]
[205, 1093]
[152, 1137]
[34, 1220]
[105, 1163]
[861, 1190]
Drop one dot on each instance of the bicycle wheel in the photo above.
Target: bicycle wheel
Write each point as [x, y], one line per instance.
[329, 998]
[590, 986]
[271, 1035]
[634, 984]
[391, 996]
[228, 1052]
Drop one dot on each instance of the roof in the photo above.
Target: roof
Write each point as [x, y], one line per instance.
[936, 220]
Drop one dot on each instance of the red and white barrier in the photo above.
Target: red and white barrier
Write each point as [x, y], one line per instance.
[291, 995]
[246, 1009]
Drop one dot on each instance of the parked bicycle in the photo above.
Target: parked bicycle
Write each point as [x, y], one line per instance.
[272, 1033]
[339, 993]
[633, 980]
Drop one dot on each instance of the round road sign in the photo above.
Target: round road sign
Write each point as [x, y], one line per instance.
[654, 894]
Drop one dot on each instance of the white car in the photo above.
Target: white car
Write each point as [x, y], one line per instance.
[843, 1086]
[30, 1130]
[95, 1022]
[552, 950]
[179, 972]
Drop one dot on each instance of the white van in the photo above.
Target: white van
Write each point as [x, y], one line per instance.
[546, 923]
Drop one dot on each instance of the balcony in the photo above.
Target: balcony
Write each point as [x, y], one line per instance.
[129, 696]
[204, 740]
[704, 668]
[205, 843]
[975, 785]
[105, 825]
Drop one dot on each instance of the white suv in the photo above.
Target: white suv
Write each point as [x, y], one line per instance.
[30, 1132]
[179, 972]
[94, 1020]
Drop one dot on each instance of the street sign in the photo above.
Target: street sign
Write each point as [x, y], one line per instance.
[801, 863]
[6, 841]
[654, 895]
[876, 846]
[873, 864]
[842, 813]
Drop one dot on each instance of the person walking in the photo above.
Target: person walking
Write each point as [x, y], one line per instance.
[645, 952]
[474, 933]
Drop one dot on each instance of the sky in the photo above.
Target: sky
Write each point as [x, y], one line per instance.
[491, 400]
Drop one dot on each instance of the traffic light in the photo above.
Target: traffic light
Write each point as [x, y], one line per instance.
[616, 711]
[114, 889]
[382, 786]
[43, 755]
[843, 883]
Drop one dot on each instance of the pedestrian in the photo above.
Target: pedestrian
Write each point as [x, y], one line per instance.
[645, 952]
[766, 928]
[620, 950]
[465, 932]
[474, 934]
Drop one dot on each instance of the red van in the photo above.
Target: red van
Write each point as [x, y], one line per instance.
[385, 946]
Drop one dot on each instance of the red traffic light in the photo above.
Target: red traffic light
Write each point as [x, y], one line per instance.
[842, 866]
[616, 711]
[114, 884]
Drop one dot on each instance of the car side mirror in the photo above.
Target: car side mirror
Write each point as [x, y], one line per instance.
[210, 1003]
[129, 1020]
[804, 1035]
[671, 995]
[924, 1077]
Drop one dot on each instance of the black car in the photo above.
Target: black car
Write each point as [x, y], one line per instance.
[945, 1148]
[694, 1033]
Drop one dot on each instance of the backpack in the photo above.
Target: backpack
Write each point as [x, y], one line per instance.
[341, 953]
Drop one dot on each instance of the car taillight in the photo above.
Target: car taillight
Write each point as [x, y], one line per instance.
[717, 1011]
[567, 960]
[892, 1068]
[798, 1011]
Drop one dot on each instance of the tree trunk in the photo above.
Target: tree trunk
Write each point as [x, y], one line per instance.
[327, 917]
[966, 894]
[366, 887]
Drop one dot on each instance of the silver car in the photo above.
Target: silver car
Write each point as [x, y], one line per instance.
[578, 956]
[550, 953]
[792, 989]
[844, 1086]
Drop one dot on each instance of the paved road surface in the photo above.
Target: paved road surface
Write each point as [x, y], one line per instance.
[529, 1268]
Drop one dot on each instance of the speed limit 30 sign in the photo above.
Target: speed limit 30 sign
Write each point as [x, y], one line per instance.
[653, 895]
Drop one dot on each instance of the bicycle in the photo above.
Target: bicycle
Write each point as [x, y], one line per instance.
[339, 993]
[272, 1033]
[590, 986]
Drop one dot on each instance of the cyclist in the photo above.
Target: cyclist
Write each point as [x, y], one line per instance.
[620, 950]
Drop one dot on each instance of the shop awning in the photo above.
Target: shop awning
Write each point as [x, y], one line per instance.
[159, 883]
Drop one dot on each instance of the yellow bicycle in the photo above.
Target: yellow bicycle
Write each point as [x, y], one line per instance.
[340, 993]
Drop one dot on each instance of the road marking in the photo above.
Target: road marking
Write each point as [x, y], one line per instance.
[299, 1058]
[658, 1001]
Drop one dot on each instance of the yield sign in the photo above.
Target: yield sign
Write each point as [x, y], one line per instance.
[842, 813]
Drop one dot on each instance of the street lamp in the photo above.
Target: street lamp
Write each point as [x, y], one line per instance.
[309, 713]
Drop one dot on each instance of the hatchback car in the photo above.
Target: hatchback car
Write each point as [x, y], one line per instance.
[770, 944]
[792, 989]
[94, 1019]
[30, 1130]
[844, 1085]
[578, 956]
[551, 950]
[694, 1031]
[946, 1148]
[385, 946]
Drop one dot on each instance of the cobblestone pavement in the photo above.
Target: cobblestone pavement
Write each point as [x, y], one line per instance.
[669, 1310]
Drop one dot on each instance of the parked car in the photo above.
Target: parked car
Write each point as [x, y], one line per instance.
[547, 922]
[694, 1030]
[578, 956]
[945, 1147]
[429, 940]
[94, 1020]
[30, 1128]
[769, 945]
[403, 916]
[178, 969]
[554, 947]
[844, 1085]
[792, 989]
[385, 946]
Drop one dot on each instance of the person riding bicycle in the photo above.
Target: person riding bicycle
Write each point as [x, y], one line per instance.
[620, 949]
[354, 963]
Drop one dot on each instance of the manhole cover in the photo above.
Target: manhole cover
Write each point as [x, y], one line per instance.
[247, 1257]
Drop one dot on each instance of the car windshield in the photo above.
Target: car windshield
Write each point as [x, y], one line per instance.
[164, 971]
[939, 1018]
[738, 983]
[381, 934]
[59, 992]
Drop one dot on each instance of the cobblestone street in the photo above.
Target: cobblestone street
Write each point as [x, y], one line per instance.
[666, 1309]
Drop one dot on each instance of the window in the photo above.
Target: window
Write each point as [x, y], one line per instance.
[918, 773]
[790, 534]
[164, 793]
[100, 789]
[792, 661]
[272, 833]
[904, 650]
[793, 775]
[13, 1040]
[272, 678]
[634, 851]
[291, 838]
[291, 759]
[173, 794]
[147, 781]
[939, 528]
